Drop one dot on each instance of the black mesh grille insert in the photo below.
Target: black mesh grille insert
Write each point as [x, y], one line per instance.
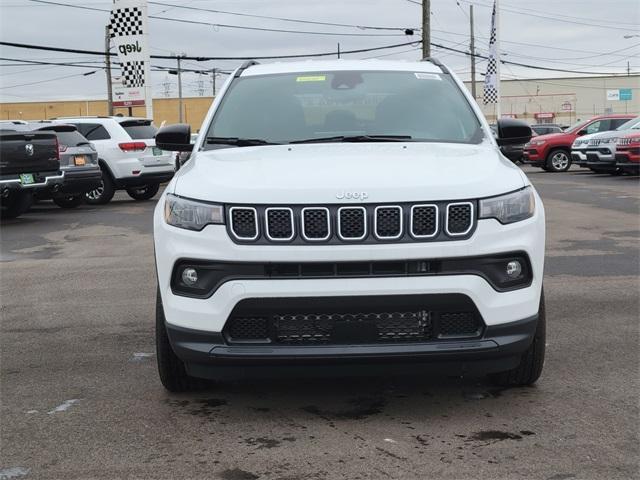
[243, 222]
[458, 324]
[424, 220]
[352, 223]
[363, 327]
[279, 224]
[249, 328]
[459, 218]
[389, 222]
[316, 223]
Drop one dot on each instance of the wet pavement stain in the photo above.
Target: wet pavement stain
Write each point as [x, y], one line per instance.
[497, 435]
[202, 407]
[237, 474]
[264, 442]
[361, 407]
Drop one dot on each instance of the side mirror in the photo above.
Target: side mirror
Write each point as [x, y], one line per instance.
[175, 138]
[513, 132]
[582, 132]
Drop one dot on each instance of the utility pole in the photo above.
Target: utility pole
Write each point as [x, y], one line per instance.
[107, 61]
[213, 81]
[338, 49]
[179, 90]
[426, 28]
[628, 69]
[473, 54]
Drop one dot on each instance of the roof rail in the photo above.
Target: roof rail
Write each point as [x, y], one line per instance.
[244, 66]
[436, 62]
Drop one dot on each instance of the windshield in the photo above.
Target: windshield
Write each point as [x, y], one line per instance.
[292, 107]
[634, 124]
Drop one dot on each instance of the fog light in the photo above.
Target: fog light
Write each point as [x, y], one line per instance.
[514, 269]
[190, 276]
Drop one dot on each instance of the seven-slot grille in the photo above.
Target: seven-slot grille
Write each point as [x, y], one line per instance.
[342, 224]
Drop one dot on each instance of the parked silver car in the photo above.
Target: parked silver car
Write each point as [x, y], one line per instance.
[78, 161]
[600, 151]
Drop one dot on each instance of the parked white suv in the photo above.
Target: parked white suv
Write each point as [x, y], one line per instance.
[356, 213]
[127, 154]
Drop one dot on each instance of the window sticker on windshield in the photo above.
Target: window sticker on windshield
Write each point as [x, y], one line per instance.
[312, 78]
[427, 76]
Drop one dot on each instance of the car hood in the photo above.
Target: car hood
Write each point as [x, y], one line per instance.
[552, 136]
[331, 173]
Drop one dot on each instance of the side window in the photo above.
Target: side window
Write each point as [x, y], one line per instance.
[599, 126]
[616, 122]
[93, 131]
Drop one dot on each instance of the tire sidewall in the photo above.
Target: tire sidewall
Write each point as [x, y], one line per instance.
[549, 162]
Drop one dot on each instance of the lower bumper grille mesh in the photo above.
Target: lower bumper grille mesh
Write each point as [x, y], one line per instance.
[352, 328]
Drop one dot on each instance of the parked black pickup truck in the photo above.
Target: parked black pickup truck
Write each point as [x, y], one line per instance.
[29, 161]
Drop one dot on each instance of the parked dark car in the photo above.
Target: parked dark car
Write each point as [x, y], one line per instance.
[29, 163]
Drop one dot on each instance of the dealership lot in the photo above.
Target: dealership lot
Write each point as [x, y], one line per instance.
[81, 397]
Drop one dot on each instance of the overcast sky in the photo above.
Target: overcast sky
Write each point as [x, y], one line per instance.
[580, 35]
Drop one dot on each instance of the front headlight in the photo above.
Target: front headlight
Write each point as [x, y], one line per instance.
[192, 215]
[537, 143]
[509, 208]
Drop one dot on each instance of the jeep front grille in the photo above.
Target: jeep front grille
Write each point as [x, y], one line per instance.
[285, 224]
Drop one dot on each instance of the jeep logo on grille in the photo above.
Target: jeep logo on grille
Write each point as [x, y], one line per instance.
[29, 149]
[352, 195]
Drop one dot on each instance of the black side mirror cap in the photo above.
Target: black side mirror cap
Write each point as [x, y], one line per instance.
[513, 132]
[175, 138]
[582, 132]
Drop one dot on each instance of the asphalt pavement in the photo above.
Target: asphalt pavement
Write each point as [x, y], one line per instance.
[80, 396]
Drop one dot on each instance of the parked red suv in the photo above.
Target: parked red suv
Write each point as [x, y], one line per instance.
[628, 153]
[552, 152]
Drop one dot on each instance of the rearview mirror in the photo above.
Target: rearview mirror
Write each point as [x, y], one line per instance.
[513, 132]
[175, 138]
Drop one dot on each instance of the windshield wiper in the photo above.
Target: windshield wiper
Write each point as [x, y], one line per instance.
[357, 138]
[240, 142]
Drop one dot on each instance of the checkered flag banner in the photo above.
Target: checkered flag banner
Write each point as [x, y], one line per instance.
[125, 22]
[133, 74]
[128, 32]
[491, 78]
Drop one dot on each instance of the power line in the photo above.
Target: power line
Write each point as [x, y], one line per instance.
[531, 13]
[239, 27]
[49, 80]
[283, 19]
[203, 59]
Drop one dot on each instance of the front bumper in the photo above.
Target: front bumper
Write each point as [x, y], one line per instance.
[531, 156]
[207, 355]
[579, 158]
[600, 159]
[80, 180]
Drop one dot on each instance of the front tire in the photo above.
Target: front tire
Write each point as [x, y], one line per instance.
[532, 360]
[558, 160]
[145, 192]
[69, 202]
[171, 369]
[104, 193]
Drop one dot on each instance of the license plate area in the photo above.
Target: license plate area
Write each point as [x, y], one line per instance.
[156, 151]
[79, 160]
[27, 178]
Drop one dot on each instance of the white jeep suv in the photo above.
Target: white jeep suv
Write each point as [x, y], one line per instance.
[351, 213]
[127, 154]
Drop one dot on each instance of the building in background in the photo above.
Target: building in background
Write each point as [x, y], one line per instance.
[564, 100]
[544, 100]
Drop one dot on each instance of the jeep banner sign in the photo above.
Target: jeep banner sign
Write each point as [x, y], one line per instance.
[129, 36]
